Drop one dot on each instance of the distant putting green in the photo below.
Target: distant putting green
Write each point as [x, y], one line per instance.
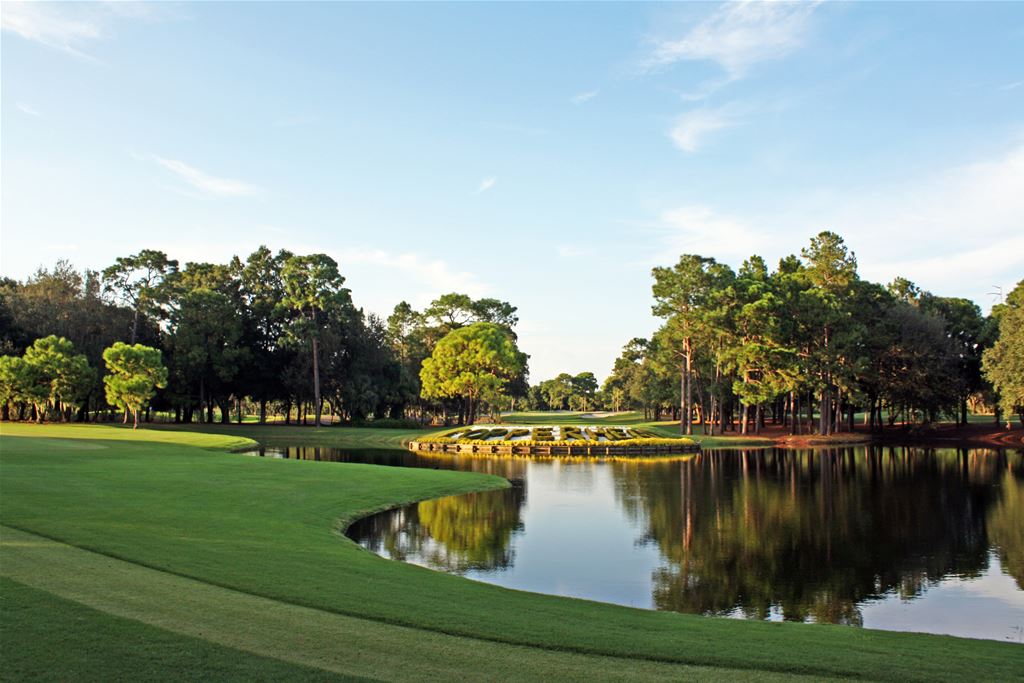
[159, 538]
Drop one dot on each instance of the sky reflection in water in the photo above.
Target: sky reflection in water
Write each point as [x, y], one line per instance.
[895, 538]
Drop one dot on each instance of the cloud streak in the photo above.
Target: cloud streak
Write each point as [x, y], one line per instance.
[70, 26]
[206, 183]
[699, 229]
[486, 184]
[955, 231]
[584, 96]
[691, 129]
[434, 276]
[27, 109]
[738, 35]
[49, 25]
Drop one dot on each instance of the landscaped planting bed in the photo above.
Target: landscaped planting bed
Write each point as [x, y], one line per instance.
[565, 440]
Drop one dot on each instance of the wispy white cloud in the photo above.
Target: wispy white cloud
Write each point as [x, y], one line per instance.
[691, 129]
[956, 231]
[958, 225]
[432, 276]
[486, 184]
[51, 24]
[584, 96]
[738, 35]
[703, 90]
[206, 183]
[982, 263]
[71, 26]
[27, 109]
[699, 229]
[1010, 86]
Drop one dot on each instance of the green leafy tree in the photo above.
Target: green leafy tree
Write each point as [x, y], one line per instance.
[473, 363]
[138, 280]
[205, 351]
[20, 384]
[1004, 362]
[683, 295]
[61, 376]
[136, 372]
[407, 337]
[557, 391]
[584, 389]
[451, 311]
[831, 270]
[63, 302]
[965, 327]
[312, 286]
[919, 368]
[764, 367]
[262, 289]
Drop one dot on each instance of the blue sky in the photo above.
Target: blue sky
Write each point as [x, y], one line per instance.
[547, 154]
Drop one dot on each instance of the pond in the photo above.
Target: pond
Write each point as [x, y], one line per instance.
[907, 539]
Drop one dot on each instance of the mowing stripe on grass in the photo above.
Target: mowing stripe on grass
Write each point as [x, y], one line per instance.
[301, 635]
[89, 645]
[269, 528]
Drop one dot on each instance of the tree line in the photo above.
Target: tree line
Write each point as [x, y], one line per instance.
[275, 333]
[809, 345]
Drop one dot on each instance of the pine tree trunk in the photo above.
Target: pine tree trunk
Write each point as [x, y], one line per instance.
[810, 412]
[316, 380]
[682, 398]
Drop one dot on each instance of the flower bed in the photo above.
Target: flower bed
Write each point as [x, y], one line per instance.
[570, 440]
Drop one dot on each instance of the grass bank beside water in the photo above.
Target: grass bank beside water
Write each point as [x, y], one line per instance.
[159, 536]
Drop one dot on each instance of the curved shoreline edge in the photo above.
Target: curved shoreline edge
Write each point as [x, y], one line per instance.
[397, 593]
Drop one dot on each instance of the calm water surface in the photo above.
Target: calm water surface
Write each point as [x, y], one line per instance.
[907, 539]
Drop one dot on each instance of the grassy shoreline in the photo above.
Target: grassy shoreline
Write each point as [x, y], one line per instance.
[167, 500]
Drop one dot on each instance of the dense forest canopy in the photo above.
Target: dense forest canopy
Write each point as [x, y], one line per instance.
[270, 334]
[808, 343]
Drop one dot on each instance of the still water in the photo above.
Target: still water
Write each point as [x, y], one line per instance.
[908, 539]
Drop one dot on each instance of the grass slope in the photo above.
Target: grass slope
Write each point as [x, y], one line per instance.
[280, 436]
[269, 528]
[47, 638]
[101, 598]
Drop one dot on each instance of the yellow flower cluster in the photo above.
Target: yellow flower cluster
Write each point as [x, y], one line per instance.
[544, 436]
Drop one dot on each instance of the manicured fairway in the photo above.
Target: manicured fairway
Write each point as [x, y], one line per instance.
[358, 438]
[208, 631]
[172, 523]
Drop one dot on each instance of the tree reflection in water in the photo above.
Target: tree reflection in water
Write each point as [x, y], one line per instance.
[1006, 526]
[775, 533]
[455, 534]
[812, 534]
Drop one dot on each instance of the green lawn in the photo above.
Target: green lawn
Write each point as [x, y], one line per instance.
[279, 436]
[107, 525]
